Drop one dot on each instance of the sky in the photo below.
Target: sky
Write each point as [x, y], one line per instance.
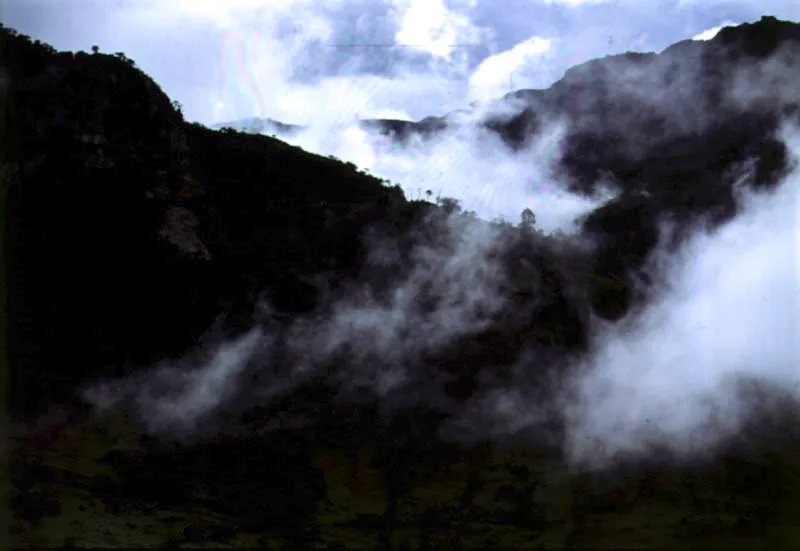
[299, 60]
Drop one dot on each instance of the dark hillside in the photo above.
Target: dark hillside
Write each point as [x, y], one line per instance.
[132, 232]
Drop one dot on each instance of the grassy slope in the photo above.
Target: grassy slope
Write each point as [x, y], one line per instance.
[478, 501]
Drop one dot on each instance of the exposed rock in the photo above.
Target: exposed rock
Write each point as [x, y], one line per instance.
[179, 230]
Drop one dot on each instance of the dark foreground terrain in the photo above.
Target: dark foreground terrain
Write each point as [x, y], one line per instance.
[97, 484]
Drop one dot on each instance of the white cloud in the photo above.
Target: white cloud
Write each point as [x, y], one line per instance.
[732, 312]
[431, 26]
[386, 113]
[466, 162]
[708, 34]
[579, 2]
[229, 14]
[171, 398]
[491, 78]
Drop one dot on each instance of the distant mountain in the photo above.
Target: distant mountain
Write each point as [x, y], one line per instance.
[255, 125]
[666, 128]
[653, 118]
[625, 110]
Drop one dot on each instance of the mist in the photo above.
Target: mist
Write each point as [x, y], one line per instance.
[671, 376]
[468, 163]
[683, 374]
[175, 396]
[363, 341]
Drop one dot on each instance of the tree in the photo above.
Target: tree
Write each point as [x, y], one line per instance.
[527, 219]
[449, 205]
[502, 223]
[95, 49]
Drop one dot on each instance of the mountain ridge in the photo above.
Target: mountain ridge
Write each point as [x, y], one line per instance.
[749, 40]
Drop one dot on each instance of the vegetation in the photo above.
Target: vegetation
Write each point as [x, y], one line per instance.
[100, 485]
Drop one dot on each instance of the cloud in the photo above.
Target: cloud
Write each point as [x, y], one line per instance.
[231, 60]
[682, 375]
[174, 397]
[467, 162]
[708, 34]
[366, 341]
[386, 113]
[313, 74]
[673, 376]
[576, 3]
[227, 15]
[492, 78]
[433, 27]
[767, 83]
[714, 352]
[451, 290]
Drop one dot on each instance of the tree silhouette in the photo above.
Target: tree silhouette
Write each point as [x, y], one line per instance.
[449, 205]
[178, 107]
[527, 219]
[95, 49]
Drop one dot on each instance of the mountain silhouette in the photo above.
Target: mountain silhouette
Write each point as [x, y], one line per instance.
[131, 232]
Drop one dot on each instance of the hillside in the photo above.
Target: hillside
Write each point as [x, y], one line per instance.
[131, 230]
[166, 226]
[283, 336]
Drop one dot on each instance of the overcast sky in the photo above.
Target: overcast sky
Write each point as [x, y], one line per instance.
[298, 60]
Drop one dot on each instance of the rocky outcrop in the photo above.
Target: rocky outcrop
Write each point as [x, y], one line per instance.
[179, 230]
